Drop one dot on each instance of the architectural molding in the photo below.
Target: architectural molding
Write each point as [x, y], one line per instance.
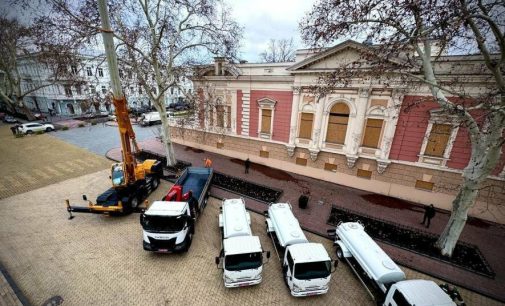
[382, 165]
[313, 153]
[351, 160]
[266, 103]
[291, 150]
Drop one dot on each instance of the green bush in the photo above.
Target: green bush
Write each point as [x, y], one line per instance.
[64, 128]
[20, 135]
[81, 125]
[93, 122]
[39, 132]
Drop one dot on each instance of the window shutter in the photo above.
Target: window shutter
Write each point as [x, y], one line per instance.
[266, 117]
[438, 139]
[337, 123]
[306, 125]
[372, 133]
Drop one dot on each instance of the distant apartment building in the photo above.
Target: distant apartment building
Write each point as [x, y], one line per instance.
[87, 87]
[364, 134]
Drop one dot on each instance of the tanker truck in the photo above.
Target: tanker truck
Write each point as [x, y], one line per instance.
[382, 278]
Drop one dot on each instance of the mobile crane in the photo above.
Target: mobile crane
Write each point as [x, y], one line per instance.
[131, 181]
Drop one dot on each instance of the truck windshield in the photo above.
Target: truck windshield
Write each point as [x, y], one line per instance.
[239, 262]
[311, 270]
[163, 224]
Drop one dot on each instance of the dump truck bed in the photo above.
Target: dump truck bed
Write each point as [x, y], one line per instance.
[197, 180]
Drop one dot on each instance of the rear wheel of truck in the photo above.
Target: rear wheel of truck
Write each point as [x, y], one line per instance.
[188, 242]
[155, 183]
[339, 253]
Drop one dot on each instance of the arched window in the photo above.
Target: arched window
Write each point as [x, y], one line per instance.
[337, 123]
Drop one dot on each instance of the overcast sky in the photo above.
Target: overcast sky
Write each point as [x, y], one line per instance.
[266, 19]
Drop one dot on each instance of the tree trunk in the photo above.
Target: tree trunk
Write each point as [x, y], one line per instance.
[460, 206]
[25, 110]
[165, 134]
[482, 162]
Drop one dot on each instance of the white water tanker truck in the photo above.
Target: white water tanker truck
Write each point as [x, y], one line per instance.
[382, 278]
[306, 266]
[241, 256]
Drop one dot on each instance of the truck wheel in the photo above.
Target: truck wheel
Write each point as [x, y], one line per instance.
[134, 202]
[188, 243]
[340, 253]
[155, 183]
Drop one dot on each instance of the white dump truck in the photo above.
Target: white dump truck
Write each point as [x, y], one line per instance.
[241, 256]
[382, 278]
[306, 266]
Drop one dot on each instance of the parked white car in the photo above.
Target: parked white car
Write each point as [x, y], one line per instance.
[29, 128]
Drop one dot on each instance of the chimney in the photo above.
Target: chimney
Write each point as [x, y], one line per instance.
[219, 65]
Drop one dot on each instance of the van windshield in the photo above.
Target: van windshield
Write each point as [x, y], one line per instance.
[311, 270]
[239, 262]
[163, 224]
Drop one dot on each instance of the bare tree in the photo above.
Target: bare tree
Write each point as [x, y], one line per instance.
[278, 51]
[30, 46]
[159, 40]
[410, 37]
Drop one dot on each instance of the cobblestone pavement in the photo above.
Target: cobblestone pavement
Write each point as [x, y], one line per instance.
[99, 260]
[7, 295]
[35, 161]
[94, 259]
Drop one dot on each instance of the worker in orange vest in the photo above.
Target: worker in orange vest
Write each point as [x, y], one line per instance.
[208, 162]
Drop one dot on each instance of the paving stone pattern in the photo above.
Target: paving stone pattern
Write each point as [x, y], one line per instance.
[35, 161]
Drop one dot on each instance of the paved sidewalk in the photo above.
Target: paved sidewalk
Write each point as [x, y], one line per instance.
[7, 295]
[489, 237]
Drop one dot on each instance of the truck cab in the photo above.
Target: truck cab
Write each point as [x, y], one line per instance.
[306, 266]
[417, 292]
[167, 227]
[307, 269]
[241, 256]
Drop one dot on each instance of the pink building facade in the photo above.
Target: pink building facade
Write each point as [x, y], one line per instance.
[363, 135]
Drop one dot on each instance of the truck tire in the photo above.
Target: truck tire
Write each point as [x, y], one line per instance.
[188, 242]
[339, 253]
[155, 183]
[134, 202]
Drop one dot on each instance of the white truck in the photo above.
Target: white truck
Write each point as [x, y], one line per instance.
[152, 118]
[168, 225]
[382, 278]
[241, 256]
[306, 266]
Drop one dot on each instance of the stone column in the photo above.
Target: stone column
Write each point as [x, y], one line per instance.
[293, 121]
[392, 112]
[357, 127]
[314, 147]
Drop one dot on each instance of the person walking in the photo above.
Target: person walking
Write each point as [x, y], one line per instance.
[14, 129]
[429, 213]
[247, 164]
[207, 162]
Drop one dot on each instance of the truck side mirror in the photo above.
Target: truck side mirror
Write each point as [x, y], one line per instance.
[265, 213]
[84, 197]
[217, 261]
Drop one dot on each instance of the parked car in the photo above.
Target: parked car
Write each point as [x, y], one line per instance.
[10, 119]
[179, 106]
[30, 128]
[39, 116]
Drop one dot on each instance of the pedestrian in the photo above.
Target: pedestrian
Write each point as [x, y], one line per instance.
[247, 164]
[14, 129]
[429, 213]
[208, 162]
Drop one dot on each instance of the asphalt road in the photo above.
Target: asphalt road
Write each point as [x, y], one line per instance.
[101, 138]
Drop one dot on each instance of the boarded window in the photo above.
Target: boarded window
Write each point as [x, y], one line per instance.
[437, 142]
[306, 125]
[266, 120]
[220, 116]
[372, 133]
[264, 153]
[424, 185]
[301, 161]
[220, 145]
[364, 173]
[330, 167]
[337, 123]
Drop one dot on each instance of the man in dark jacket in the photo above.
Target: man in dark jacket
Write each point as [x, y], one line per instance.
[247, 164]
[429, 212]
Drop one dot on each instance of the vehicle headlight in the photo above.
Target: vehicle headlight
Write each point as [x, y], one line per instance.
[257, 276]
[227, 279]
[296, 288]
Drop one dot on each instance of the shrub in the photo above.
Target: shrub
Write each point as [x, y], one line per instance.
[39, 132]
[20, 135]
[81, 125]
[93, 122]
[64, 128]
